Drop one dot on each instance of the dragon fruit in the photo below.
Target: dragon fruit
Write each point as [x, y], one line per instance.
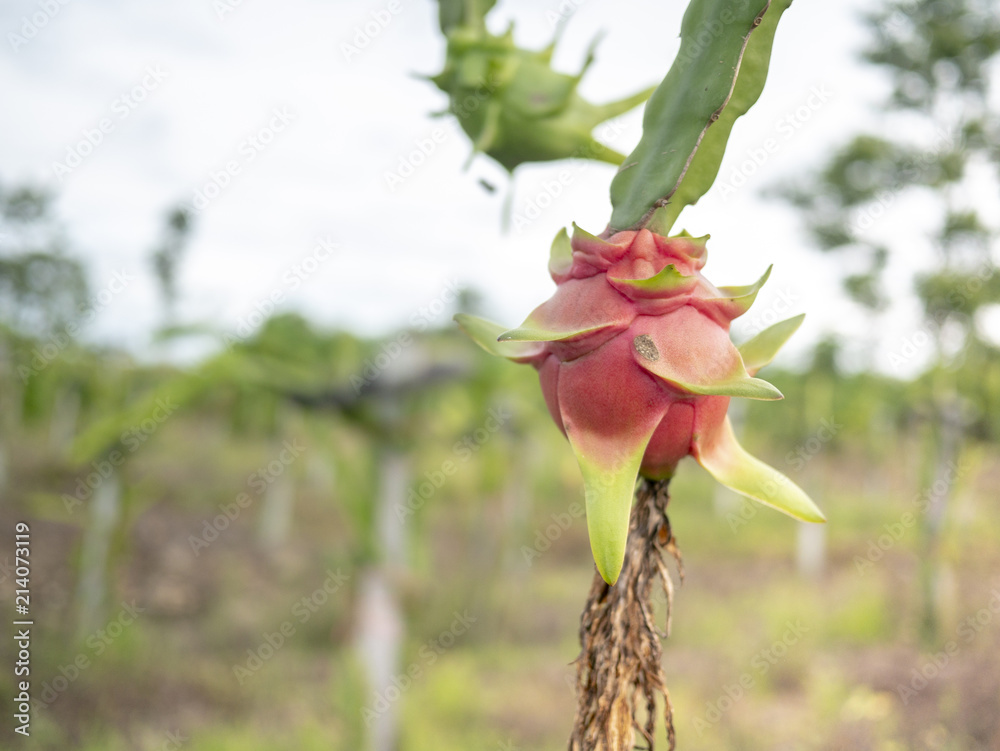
[637, 369]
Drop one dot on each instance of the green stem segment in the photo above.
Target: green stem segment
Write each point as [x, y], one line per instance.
[717, 76]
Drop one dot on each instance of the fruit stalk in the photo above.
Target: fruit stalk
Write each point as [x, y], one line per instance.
[620, 678]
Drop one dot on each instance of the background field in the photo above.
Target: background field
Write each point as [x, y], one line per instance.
[496, 570]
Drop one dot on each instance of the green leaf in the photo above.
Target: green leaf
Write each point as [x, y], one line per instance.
[743, 387]
[668, 280]
[561, 254]
[739, 384]
[531, 334]
[735, 301]
[108, 432]
[760, 350]
[608, 492]
[746, 290]
[704, 168]
[485, 333]
[721, 454]
[579, 307]
[693, 353]
[693, 96]
[581, 235]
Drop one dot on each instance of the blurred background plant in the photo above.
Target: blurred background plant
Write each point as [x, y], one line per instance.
[943, 158]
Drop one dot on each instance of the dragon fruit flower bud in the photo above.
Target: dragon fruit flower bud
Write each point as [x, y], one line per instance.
[637, 369]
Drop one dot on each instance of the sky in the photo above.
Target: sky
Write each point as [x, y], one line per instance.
[302, 136]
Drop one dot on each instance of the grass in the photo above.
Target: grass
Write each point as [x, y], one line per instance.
[760, 656]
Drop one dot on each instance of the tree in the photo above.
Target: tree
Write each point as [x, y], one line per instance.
[167, 256]
[41, 288]
[945, 130]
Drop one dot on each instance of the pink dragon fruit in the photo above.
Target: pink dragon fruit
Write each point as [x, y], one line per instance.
[637, 369]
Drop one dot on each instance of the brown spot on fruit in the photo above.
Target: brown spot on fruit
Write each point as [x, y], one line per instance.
[644, 346]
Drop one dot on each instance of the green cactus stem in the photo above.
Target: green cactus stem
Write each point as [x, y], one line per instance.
[511, 103]
[717, 76]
